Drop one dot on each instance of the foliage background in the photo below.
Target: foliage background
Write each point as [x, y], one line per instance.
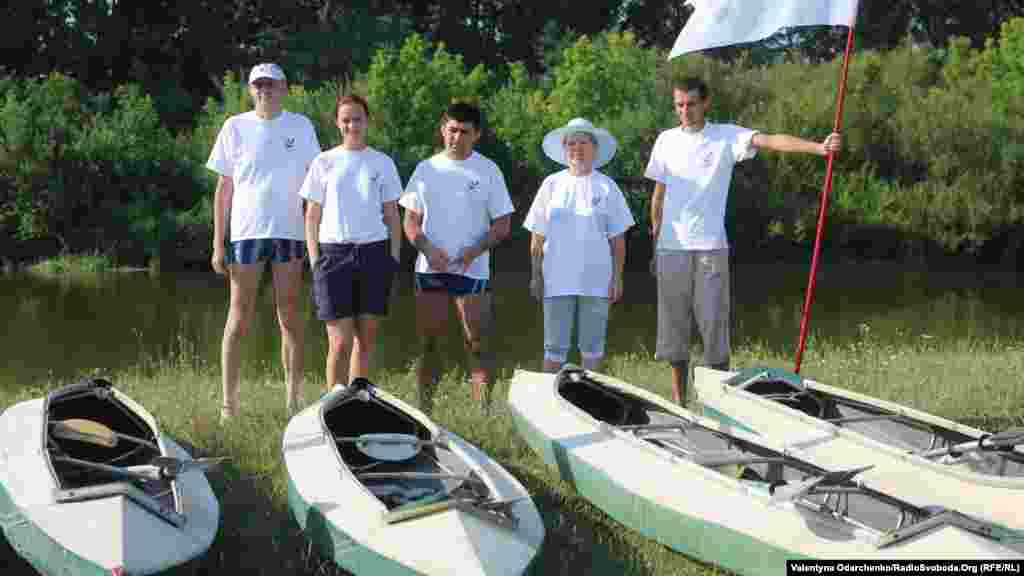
[932, 163]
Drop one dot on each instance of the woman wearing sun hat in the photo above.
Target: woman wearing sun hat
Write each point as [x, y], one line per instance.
[577, 222]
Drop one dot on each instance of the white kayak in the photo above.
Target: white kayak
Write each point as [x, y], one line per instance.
[917, 456]
[725, 496]
[89, 485]
[380, 489]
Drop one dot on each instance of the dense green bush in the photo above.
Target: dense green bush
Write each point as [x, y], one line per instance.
[38, 121]
[408, 88]
[97, 170]
[934, 140]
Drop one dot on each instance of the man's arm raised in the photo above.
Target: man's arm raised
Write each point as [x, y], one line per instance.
[787, 143]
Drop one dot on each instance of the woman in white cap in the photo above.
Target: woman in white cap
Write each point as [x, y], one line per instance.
[577, 222]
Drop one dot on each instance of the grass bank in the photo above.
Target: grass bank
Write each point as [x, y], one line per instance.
[970, 381]
[73, 264]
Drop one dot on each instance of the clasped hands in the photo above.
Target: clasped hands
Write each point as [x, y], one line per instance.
[439, 260]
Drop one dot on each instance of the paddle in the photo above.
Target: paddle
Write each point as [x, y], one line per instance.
[93, 432]
[143, 473]
[492, 510]
[160, 467]
[1005, 441]
[790, 492]
[172, 467]
[418, 476]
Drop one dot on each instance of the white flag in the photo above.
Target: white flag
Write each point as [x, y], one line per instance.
[717, 23]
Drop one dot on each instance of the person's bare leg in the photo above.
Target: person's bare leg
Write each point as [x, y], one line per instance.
[365, 332]
[431, 325]
[339, 341]
[551, 365]
[475, 315]
[243, 280]
[287, 284]
[680, 377]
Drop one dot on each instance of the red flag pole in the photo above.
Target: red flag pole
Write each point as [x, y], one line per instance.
[823, 210]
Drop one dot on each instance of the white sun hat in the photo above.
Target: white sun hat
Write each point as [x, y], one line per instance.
[266, 70]
[606, 144]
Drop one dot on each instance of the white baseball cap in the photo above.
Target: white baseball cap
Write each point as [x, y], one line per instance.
[266, 70]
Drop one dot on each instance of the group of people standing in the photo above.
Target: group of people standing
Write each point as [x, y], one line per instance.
[457, 208]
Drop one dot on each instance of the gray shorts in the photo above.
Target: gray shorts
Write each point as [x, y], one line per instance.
[693, 285]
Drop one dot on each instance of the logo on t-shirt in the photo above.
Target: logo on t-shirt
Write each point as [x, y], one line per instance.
[473, 186]
[707, 158]
[289, 144]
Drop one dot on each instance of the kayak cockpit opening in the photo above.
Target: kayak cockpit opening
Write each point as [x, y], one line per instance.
[93, 439]
[369, 432]
[785, 388]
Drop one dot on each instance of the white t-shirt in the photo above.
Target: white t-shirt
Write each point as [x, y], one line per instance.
[266, 161]
[352, 186]
[696, 169]
[577, 215]
[458, 200]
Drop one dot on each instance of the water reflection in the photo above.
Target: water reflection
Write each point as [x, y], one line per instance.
[60, 328]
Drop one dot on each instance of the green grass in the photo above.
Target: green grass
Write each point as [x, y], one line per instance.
[73, 264]
[973, 382]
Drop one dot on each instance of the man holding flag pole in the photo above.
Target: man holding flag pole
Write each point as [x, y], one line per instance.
[692, 167]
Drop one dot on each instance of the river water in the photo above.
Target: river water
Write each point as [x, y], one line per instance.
[57, 329]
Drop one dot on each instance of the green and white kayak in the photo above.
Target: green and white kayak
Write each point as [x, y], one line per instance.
[916, 456]
[724, 496]
[380, 489]
[89, 485]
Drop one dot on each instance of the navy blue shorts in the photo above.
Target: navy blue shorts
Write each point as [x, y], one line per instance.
[455, 284]
[351, 280]
[257, 250]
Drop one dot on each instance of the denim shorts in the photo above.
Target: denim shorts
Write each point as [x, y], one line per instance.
[454, 284]
[352, 280]
[591, 316]
[257, 250]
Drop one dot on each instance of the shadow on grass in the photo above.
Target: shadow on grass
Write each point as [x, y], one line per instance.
[574, 541]
[257, 533]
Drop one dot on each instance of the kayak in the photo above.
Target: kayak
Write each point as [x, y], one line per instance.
[380, 489]
[981, 474]
[721, 495]
[89, 485]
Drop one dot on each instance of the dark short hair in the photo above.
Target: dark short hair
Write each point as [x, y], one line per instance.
[691, 84]
[464, 112]
[344, 99]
